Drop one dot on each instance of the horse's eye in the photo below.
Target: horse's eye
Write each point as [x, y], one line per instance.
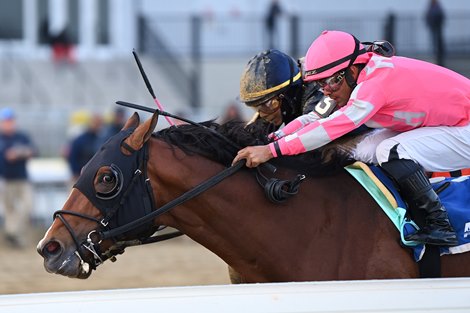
[109, 184]
[108, 179]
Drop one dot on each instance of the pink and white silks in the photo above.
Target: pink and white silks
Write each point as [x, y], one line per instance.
[425, 107]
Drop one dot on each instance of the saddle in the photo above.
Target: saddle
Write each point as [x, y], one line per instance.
[453, 192]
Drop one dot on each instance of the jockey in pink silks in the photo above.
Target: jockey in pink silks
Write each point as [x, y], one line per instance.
[423, 108]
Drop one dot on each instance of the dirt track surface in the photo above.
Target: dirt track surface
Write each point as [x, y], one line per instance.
[177, 262]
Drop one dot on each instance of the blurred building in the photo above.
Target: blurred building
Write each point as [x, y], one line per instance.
[192, 50]
[106, 29]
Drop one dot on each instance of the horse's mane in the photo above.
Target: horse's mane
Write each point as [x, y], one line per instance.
[207, 141]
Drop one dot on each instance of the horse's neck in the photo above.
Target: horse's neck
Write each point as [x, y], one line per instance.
[236, 221]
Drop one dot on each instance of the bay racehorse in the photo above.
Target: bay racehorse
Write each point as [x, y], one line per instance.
[331, 230]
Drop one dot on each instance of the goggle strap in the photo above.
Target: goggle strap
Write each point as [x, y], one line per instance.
[291, 68]
[350, 79]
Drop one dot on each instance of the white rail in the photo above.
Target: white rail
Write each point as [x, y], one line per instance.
[425, 295]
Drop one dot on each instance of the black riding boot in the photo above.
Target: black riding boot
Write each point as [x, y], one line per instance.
[418, 193]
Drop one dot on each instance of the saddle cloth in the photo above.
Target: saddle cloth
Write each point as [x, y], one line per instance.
[453, 192]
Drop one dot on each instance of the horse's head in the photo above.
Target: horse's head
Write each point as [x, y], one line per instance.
[115, 177]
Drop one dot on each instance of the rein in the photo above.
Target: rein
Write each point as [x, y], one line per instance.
[195, 191]
[279, 190]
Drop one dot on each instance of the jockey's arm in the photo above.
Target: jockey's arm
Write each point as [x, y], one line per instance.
[322, 109]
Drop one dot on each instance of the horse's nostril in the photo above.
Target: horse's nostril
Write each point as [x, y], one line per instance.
[52, 248]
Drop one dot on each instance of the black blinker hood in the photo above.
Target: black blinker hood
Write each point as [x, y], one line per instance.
[135, 199]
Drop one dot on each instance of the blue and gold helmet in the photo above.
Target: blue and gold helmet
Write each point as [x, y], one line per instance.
[266, 75]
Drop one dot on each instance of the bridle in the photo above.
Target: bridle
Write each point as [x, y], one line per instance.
[136, 187]
[132, 187]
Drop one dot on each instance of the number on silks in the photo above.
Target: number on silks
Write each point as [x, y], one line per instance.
[325, 106]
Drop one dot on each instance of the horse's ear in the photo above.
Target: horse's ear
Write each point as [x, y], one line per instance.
[142, 133]
[133, 121]
[151, 127]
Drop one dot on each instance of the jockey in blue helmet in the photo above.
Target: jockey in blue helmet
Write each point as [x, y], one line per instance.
[272, 84]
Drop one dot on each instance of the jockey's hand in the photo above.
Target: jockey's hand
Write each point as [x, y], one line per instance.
[274, 136]
[254, 155]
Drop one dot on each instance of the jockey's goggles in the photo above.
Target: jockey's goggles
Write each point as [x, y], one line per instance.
[332, 83]
[268, 106]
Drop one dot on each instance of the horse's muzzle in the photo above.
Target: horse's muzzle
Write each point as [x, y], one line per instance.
[58, 260]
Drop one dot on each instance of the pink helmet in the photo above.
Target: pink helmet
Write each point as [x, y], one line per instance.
[331, 52]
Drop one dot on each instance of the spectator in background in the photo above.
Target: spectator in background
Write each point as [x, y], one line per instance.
[16, 149]
[232, 113]
[389, 27]
[117, 122]
[435, 20]
[62, 48]
[78, 122]
[85, 145]
[271, 21]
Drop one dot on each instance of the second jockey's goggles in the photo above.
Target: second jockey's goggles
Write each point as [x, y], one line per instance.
[268, 106]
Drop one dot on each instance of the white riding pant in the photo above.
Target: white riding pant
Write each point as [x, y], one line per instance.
[436, 149]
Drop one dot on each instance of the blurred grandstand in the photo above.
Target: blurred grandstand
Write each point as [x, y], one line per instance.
[193, 57]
